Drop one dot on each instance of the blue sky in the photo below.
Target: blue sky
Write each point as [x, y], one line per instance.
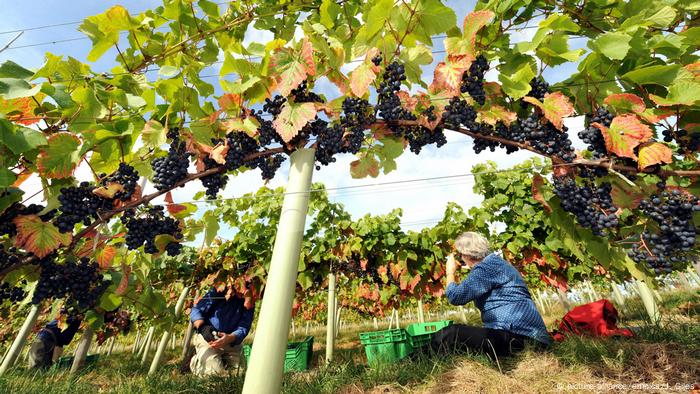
[422, 202]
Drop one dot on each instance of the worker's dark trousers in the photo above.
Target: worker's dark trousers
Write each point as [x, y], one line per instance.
[463, 338]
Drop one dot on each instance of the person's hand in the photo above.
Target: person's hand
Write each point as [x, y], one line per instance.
[223, 340]
[452, 265]
[207, 332]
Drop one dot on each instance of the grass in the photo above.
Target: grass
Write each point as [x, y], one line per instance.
[664, 353]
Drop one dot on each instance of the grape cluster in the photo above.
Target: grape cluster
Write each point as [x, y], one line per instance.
[592, 135]
[12, 293]
[144, 229]
[267, 134]
[274, 106]
[7, 225]
[240, 145]
[214, 182]
[127, 177]
[388, 103]
[458, 112]
[473, 80]
[171, 169]
[538, 88]
[592, 205]
[79, 204]
[328, 143]
[114, 323]
[687, 142]
[269, 165]
[302, 94]
[674, 235]
[544, 137]
[356, 116]
[80, 283]
[8, 257]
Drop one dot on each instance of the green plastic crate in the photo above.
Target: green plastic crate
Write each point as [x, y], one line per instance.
[420, 334]
[386, 346]
[297, 358]
[67, 361]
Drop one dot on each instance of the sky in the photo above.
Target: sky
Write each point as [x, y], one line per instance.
[423, 201]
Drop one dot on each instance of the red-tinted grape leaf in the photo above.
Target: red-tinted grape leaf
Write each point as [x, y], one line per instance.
[626, 132]
[60, 157]
[407, 101]
[627, 102]
[652, 153]
[537, 183]
[366, 165]
[247, 124]
[339, 80]
[495, 113]
[430, 124]
[694, 68]
[218, 154]
[651, 115]
[556, 106]
[448, 78]
[124, 282]
[134, 197]
[231, 102]
[173, 208]
[361, 78]
[307, 55]
[105, 256]
[289, 68]
[294, 117]
[624, 195]
[20, 110]
[37, 236]
[472, 24]
[109, 190]
[326, 109]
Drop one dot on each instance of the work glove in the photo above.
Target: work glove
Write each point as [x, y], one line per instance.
[207, 331]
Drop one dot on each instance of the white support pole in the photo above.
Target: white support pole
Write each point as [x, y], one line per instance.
[330, 320]
[187, 340]
[20, 340]
[168, 332]
[136, 341]
[391, 319]
[306, 331]
[266, 368]
[648, 300]
[564, 299]
[617, 296]
[398, 323]
[421, 317]
[337, 321]
[82, 350]
[147, 345]
[111, 345]
[376, 324]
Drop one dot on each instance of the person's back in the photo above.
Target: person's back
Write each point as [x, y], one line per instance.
[508, 305]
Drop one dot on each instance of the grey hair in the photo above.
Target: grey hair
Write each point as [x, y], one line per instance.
[473, 245]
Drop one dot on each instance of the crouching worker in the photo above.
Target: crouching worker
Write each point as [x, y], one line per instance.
[49, 342]
[509, 316]
[221, 325]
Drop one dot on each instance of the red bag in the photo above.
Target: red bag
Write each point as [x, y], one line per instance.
[598, 319]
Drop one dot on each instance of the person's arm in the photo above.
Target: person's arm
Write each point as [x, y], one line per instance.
[201, 309]
[239, 334]
[68, 334]
[479, 282]
[244, 325]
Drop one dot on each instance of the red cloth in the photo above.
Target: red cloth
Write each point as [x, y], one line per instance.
[598, 319]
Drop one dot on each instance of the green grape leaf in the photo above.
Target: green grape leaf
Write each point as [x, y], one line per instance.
[60, 157]
[679, 93]
[663, 75]
[10, 196]
[110, 301]
[37, 236]
[12, 88]
[328, 12]
[613, 45]
[515, 75]
[211, 226]
[10, 69]
[20, 139]
[293, 118]
[7, 177]
[103, 29]
[153, 134]
[495, 113]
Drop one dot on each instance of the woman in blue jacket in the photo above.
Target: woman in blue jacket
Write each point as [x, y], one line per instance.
[509, 316]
